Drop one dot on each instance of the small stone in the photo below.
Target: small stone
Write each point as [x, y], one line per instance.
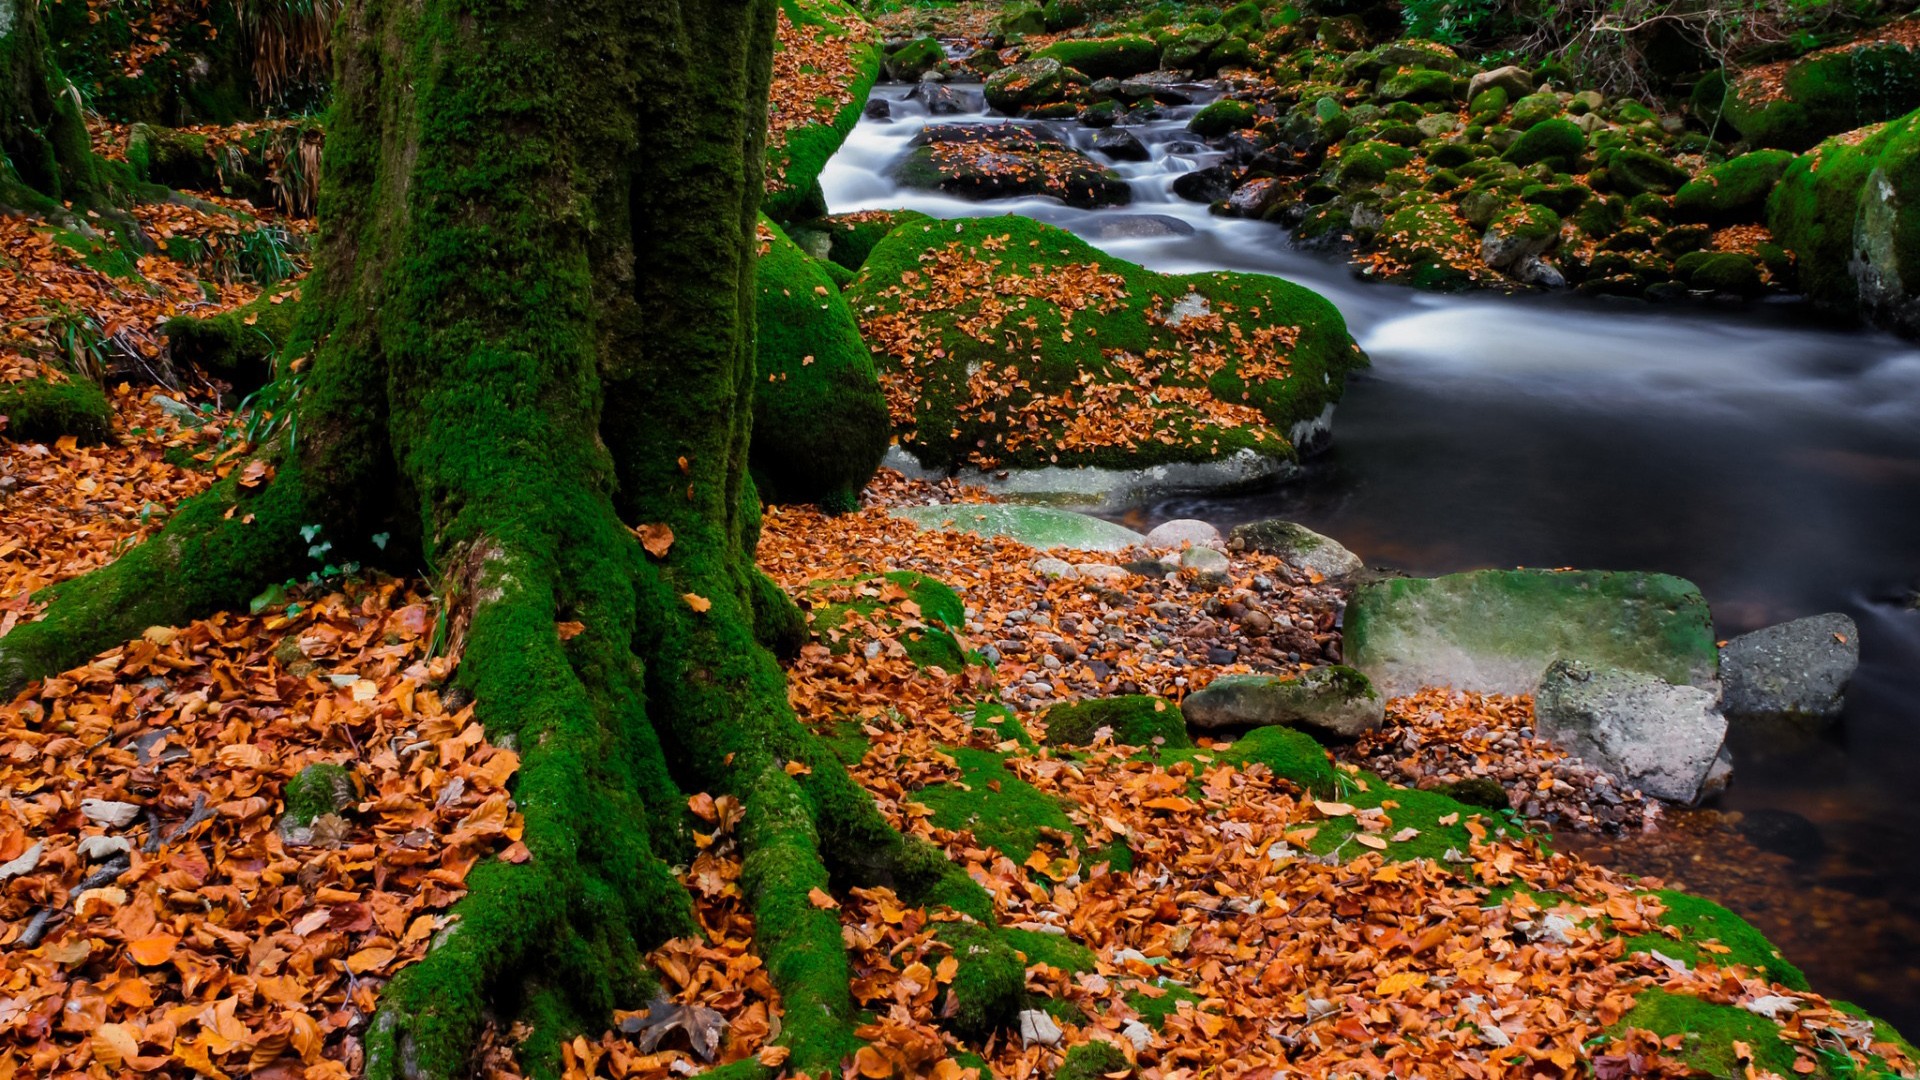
[1101, 572]
[1182, 531]
[114, 815]
[1205, 560]
[1052, 568]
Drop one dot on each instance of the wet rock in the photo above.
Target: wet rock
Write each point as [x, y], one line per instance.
[1654, 735]
[1335, 701]
[1015, 89]
[994, 161]
[1255, 197]
[1513, 79]
[1794, 671]
[1120, 144]
[1166, 87]
[1141, 226]
[1298, 545]
[940, 99]
[1208, 185]
[1783, 832]
[1035, 526]
[1496, 631]
[878, 109]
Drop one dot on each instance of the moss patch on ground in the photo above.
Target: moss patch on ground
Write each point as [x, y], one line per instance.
[42, 410]
[920, 612]
[1133, 720]
[1073, 357]
[1698, 921]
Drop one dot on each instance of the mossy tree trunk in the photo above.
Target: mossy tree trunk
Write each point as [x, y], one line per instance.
[48, 160]
[531, 328]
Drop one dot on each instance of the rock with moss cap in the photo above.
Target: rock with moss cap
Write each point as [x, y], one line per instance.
[1336, 701]
[1548, 140]
[999, 161]
[1036, 81]
[846, 58]
[1222, 117]
[1105, 58]
[922, 615]
[318, 790]
[819, 420]
[1090, 360]
[908, 62]
[1298, 545]
[1793, 105]
[1850, 213]
[1093, 1061]
[1733, 191]
[1130, 720]
[1635, 172]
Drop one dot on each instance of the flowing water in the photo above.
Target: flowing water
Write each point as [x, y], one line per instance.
[1772, 461]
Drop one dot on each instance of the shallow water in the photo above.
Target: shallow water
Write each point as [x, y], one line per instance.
[1772, 461]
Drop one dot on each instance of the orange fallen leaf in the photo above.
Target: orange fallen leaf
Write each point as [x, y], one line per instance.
[657, 539]
[819, 898]
[152, 949]
[697, 602]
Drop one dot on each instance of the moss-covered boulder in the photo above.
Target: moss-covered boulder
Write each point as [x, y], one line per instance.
[44, 409]
[238, 345]
[1428, 245]
[1131, 720]
[1105, 58]
[847, 239]
[1497, 631]
[1794, 104]
[819, 420]
[1636, 172]
[1850, 213]
[980, 161]
[829, 48]
[1337, 702]
[1222, 117]
[1076, 358]
[1728, 272]
[1418, 85]
[1549, 140]
[909, 61]
[1037, 81]
[1733, 191]
[1368, 163]
[318, 790]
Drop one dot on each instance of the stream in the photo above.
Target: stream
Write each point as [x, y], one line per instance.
[1772, 461]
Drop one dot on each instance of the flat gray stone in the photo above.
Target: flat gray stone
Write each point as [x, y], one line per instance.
[1664, 739]
[1204, 559]
[1496, 631]
[1336, 701]
[1035, 526]
[1797, 670]
[1115, 489]
[1298, 545]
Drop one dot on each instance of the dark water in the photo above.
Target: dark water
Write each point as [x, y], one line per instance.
[1774, 462]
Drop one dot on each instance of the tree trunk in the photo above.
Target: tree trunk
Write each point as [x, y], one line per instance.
[45, 156]
[531, 330]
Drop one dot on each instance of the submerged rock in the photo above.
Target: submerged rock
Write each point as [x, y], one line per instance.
[1661, 738]
[1035, 526]
[1794, 671]
[1497, 631]
[1333, 701]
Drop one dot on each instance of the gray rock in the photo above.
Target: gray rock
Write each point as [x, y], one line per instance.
[1496, 631]
[1503, 247]
[1031, 82]
[1141, 227]
[1101, 572]
[1204, 559]
[1053, 568]
[1120, 144]
[1172, 534]
[1096, 488]
[1299, 545]
[1336, 701]
[1797, 670]
[1514, 80]
[1534, 270]
[1034, 526]
[1658, 737]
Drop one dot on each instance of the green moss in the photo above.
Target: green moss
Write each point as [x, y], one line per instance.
[1105, 58]
[316, 790]
[1699, 920]
[1370, 162]
[1000, 720]
[240, 345]
[1222, 117]
[1709, 1031]
[1134, 720]
[40, 410]
[1637, 172]
[1093, 1060]
[914, 59]
[848, 742]
[820, 423]
[1013, 819]
[1155, 1010]
[1548, 140]
[1824, 95]
[796, 162]
[1054, 950]
[1417, 84]
[928, 634]
[990, 984]
[1827, 213]
[1734, 190]
[1477, 791]
[1064, 351]
[1411, 809]
[1290, 754]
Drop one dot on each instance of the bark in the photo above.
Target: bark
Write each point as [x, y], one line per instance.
[531, 325]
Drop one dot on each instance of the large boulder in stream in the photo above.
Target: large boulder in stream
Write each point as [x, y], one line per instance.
[1793, 104]
[1497, 631]
[1000, 161]
[1850, 213]
[1795, 671]
[1664, 739]
[1008, 344]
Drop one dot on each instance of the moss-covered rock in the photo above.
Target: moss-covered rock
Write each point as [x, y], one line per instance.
[1850, 213]
[44, 409]
[819, 420]
[1193, 48]
[1041, 527]
[1720, 271]
[1637, 172]
[239, 345]
[1092, 1061]
[1132, 720]
[1735, 190]
[910, 61]
[1548, 140]
[1037, 81]
[1417, 84]
[980, 161]
[847, 239]
[1794, 105]
[1370, 162]
[1335, 701]
[845, 54]
[1221, 117]
[1078, 358]
[920, 613]
[1697, 922]
[316, 790]
[1105, 58]
[1496, 631]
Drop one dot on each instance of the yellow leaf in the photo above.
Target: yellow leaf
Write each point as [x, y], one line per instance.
[114, 1044]
[369, 959]
[1370, 840]
[697, 602]
[819, 898]
[772, 1056]
[1400, 982]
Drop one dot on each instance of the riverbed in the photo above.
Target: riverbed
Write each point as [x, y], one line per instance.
[1773, 461]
